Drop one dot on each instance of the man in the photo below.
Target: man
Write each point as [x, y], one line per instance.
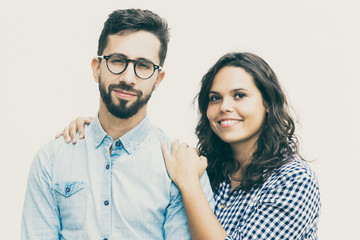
[113, 184]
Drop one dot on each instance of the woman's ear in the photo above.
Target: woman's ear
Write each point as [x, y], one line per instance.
[266, 106]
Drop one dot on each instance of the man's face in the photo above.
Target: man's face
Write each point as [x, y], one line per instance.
[124, 95]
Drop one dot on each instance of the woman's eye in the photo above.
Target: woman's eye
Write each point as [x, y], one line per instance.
[214, 98]
[239, 95]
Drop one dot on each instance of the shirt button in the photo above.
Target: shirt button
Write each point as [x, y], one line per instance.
[223, 205]
[118, 143]
[106, 202]
[105, 239]
[67, 189]
[107, 166]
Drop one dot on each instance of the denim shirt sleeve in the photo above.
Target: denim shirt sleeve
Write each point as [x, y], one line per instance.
[176, 226]
[40, 219]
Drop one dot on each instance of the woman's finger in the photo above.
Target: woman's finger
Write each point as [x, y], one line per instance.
[80, 125]
[66, 134]
[72, 131]
[88, 120]
[184, 146]
[204, 161]
[174, 146]
[59, 134]
[165, 152]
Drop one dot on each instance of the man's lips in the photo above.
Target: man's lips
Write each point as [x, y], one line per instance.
[124, 94]
[225, 123]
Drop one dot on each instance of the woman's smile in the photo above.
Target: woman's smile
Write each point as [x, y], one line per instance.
[236, 111]
[227, 123]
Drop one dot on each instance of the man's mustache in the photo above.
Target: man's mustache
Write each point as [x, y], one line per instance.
[125, 87]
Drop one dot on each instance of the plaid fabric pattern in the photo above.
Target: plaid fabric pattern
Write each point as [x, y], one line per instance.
[286, 206]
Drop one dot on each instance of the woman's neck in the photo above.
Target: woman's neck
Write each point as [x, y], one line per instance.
[242, 153]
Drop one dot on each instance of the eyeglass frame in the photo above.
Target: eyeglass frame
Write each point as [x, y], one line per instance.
[127, 60]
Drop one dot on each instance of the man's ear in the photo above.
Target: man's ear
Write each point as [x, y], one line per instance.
[95, 65]
[159, 78]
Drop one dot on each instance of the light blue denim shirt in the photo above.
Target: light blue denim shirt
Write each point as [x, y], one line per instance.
[80, 191]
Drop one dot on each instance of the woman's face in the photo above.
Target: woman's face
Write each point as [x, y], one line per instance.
[236, 111]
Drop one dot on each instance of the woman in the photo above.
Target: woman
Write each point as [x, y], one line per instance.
[263, 189]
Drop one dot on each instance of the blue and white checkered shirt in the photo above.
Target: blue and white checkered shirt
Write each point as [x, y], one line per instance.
[286, 206]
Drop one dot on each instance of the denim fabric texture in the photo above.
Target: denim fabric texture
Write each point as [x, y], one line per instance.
[82, 191]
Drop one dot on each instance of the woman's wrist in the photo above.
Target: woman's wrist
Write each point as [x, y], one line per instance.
[189, 185]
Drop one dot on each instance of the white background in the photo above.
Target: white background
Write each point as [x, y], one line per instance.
[313, 45]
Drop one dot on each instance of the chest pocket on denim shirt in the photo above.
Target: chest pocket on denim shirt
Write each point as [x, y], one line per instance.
[72, 200]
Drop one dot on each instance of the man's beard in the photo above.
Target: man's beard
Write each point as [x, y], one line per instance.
[120, 110]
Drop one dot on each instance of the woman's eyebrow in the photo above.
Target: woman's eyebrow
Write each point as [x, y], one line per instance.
[238, 90]
[232, 90]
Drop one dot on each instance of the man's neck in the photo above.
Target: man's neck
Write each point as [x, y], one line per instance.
[117, 127]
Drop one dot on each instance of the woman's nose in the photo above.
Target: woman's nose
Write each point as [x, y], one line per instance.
[226, 105]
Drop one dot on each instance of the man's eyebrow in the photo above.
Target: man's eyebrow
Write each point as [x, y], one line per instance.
[116, 53]
[125, 56]
[141, 58]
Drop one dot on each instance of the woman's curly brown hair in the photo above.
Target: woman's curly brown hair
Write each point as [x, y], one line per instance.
[277, 140]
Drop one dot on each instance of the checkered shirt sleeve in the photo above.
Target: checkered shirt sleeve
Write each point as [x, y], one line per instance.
[286, 206]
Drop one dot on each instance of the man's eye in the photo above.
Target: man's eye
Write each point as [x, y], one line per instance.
[144, 65]
[117, 60]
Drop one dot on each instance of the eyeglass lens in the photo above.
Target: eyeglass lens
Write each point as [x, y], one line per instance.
[143, 69]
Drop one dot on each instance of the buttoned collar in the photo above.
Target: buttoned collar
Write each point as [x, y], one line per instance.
[130, 140]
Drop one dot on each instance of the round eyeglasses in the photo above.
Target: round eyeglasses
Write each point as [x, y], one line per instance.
[117, 64]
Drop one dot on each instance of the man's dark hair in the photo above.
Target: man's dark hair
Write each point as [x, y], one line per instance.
[132, 20]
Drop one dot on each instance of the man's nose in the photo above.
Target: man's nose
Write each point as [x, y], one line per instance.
[129, 76]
